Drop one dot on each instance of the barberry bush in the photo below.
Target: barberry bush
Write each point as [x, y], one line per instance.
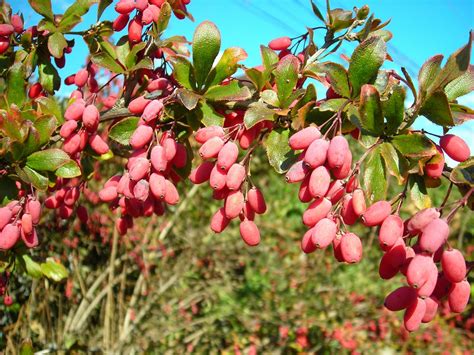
[148, 113]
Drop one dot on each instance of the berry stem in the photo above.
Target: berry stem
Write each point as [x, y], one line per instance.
[461, 203]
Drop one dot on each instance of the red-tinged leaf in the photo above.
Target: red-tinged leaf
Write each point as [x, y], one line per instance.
[227, 65]
[370, 110]
[43, 7]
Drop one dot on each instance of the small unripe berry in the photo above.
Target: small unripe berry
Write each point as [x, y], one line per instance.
[303, 138]
[455, 147]
[249, 232]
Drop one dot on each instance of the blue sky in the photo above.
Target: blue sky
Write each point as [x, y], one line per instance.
[421, 29]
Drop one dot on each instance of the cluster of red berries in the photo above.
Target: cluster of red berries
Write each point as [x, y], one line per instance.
[147, 12]
[18, 220]
[63, 198]
[427, 286]
[8, 29]
[228, 177]
[151, 177]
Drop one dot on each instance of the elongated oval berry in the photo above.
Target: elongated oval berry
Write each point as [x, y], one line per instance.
[455, 147]
[432, 304]
[31, 240]
[343, 171]
[81, 78]
[234, 203]
[171, 193]
[336, 154]
[376, 213]
[351, 248]
[157, 186]
[141, 136]
[108, 194]
[120, 22]
[5, 216]
[206, 133]
[316, 211]
[140, 169]
[458, 296]
[90, 118]
[6, 29]
[135, 29]
[219, 221]
[98, 144]
[170, 147]
[17, 23]
[434, 235]
[431, 278]
[401, 298]
[347, 212]
[211, 148]
[319, 182]
[249, 232]
[33, 207]
[442, 287]
[302, 139]
[336, 247]
[358, 202]
[181, 157]
[414, 314]
[297, 172]
[418, 269]
[434, 167]
[125, 6]
[9, 236]
[72, 144]
[279, 44]
[4, 44]
[303, 194]
[335, 192]
[201, 173]
[217, 180]
[138, 105]
[307, 244]
[421, 219]
[391, 230]
[324, 233]
[316, 153]
[68, 128]
[454, 265]
[227, 155]
[158, 158]
[141, 190]
[152, 110]
[157, 84]
[75, 110]
[147, 16]
[35, 90]
[256, 200]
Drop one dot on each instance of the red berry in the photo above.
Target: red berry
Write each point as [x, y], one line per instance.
[227, 155]
[316, 211]
[141, 137]
[81, 77]
[432, 304]
[235, 176]
[307, 244]
[234, 203]
[75, 110]
[5, 216]
[454, 265]
[337, 151]
[135, 29]
[171, 193]
[414, 315]
[17, 23]
[98, 144]
[6, 29]
[391, 230]
[319, 182]
[303, 138]
[455, 147]
[108, 194]
[152, 110]
[249, 232]
[376, 213]
[90, 118]
[458, 296]
[358, 202]
[434, 235]
[351, 248]
[400, 299]
[201, 173]
[217, 180]
[139, 169]
[120, 22]
[211, 148]
[420, 220]
[324, 233]
[138, 105]
[219, 221]
[204, 134]
[125, 6]
[9, 236]
[316, 153]
[297, 172]
[418, 270]
[256, 200]
[279, 44]
[157, 185]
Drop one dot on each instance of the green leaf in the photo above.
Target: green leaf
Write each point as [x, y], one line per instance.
[31, 176]
[370, 109]
[103, 4]
[45, 125]
[105, 60]
[234, 91]
[188, 98]
[418, 193]
[49, 77]
[317, 12]
[123, 130]
[428, 73]
[463, 173]
[183, 72]
[269, 58]
[286, 77]
[49, 106]
[365, 62]
[26, 347]
[375, 180]
[47, 160]
[338, 78]
[164, 18]
[206, 45]
[74, 13]
[69, 170]
[208, 116]
[53, 270]
[16, 84]
[43, 7]
[436, 109]
[461, 113]
[395, 164]
[8, 190]
[257, 78]
[56, 44]
[414, 145]
[270, 97]
[31, 267]
[279, 153]
[394, 108]
[341, 19]
[258, 112]
[332, 105]
[226, 66]
[461, 86]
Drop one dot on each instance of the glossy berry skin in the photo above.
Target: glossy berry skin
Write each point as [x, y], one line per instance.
[302, 139]
[249, 232]
[376, 213]
[414, 315]
[279, 44]
[351, 248]
[458, 296]
[401, 298]
[454, 265]
[456, 148]
[434, 235]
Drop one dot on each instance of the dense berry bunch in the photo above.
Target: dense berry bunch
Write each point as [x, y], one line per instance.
[7, 30]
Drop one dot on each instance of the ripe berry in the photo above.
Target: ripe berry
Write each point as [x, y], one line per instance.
[141, 136]
[319, 182]
[120, 22]
[297, 172]
[158, 158]
[307, 244]
[391, 230]
[358, 202]
[351, 248]
[217, 180]
[138, 105]
[316, 211]
[234, 203]
[201, 173]
[303, 138]
[206, 133]
[227, 155]
[420, 220]
[98, 144]
[90, 118]
[336, 154]
[249, 232]
[316, 153]
[219, 221]
[152, 110]
[432, 304]
[135, 29]
[401, 298]
[9, 236]
[279, 44]
[171, 193]
[414, 314]
[418, 269]
[454, 265]
[211, 148]
[434, 235]
[458, 296]
[324, 233]
[455, 147]
[376, 213]
[256, 200]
